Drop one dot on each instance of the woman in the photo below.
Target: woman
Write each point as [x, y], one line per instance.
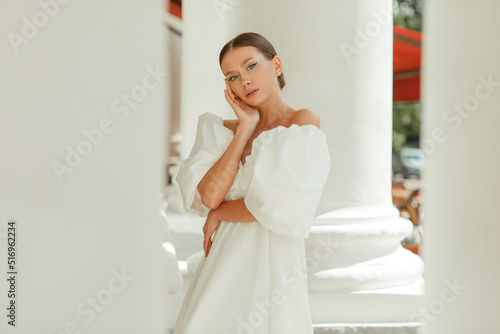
[258, 179]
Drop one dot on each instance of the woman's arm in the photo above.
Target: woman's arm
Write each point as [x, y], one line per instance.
[214, 186]
[233, 211]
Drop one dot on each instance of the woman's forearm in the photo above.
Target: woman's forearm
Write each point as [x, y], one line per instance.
[234, 211]
[214, 186]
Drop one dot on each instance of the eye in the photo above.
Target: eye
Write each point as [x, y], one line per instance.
[235, 76]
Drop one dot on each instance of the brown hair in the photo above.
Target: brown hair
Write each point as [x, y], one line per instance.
[256, 40]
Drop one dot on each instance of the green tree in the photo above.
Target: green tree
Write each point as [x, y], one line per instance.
[405, 125]
[408, 13]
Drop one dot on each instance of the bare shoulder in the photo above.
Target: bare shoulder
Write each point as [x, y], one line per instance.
[231, 124]
[305, 117]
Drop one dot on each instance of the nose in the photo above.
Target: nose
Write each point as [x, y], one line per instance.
[246, 79]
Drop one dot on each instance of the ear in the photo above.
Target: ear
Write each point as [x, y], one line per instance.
[277, 64]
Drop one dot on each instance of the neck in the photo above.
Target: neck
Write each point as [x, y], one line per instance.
[274, 111]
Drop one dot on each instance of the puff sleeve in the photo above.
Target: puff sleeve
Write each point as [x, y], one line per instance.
[290, 168]
[212, 140]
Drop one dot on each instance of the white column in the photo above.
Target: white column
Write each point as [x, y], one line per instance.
[461, 94]
[337, 59]
[81, 144]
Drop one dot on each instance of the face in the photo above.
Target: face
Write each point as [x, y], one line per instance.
[246, 69]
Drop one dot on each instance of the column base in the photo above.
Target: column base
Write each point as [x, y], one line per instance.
[374, 306]
[387, 328]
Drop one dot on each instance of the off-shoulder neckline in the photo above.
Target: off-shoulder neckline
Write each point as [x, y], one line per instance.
[269, 131]
[284, 128]
[273, 129]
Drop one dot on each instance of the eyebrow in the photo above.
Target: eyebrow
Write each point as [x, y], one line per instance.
[244, 61]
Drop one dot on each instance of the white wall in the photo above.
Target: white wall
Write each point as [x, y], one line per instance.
[202, 81]
[77, 231]
[461, 141]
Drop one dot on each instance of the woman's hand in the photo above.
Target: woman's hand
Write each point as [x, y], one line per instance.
[209, 228]
[248, 116]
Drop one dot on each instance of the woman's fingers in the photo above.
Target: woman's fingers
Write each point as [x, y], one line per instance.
[230, 92]
[235, 104]
[207, 244]
[209, 247]
[228, 97]
[208, 231]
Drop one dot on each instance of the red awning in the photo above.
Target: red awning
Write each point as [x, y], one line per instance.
[406, 67]
[175, 8]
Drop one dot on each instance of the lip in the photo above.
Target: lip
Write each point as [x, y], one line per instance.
[253, 94]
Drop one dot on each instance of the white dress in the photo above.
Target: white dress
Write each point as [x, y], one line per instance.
[254, 277]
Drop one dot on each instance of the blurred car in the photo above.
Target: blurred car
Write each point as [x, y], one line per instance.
[408, 162]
